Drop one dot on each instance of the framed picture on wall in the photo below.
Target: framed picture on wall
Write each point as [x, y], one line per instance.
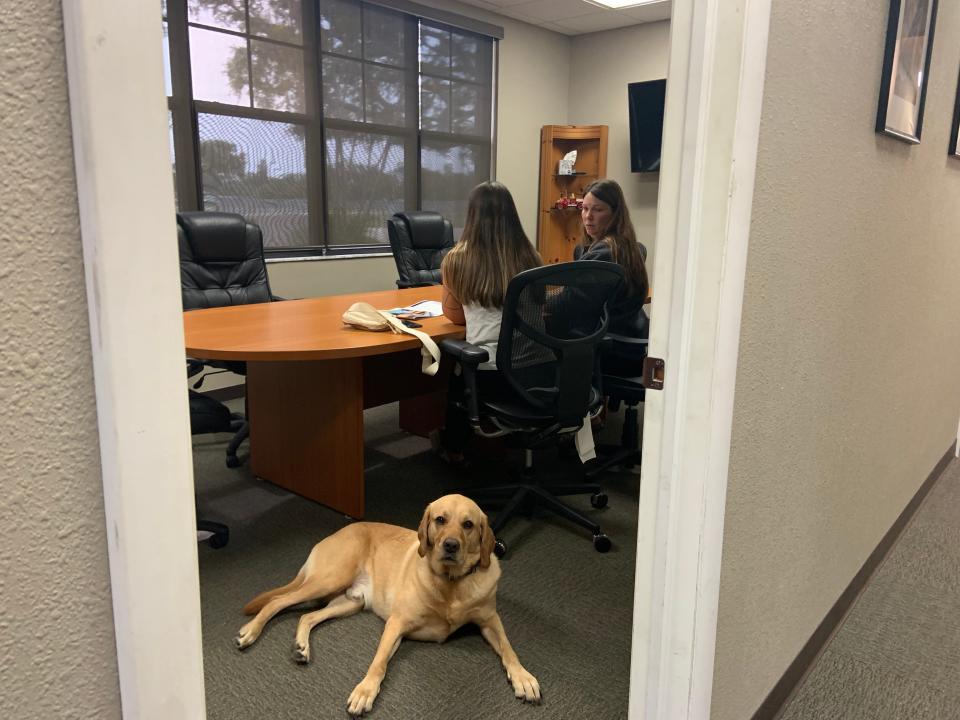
[906, 68]
[955, 128]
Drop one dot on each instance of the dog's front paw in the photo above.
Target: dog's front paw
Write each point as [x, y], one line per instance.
[301, 653]
[362, 697]
[247, 635]
[525, 685]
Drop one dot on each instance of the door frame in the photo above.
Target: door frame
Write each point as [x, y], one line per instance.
[118, 112]
[125, 196]
[717, 65]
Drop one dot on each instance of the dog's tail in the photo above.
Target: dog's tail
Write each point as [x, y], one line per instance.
[255, 605]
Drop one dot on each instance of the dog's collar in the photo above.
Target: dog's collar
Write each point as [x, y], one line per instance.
[471, 571]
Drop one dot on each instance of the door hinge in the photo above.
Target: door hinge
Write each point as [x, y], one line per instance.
[653, 373]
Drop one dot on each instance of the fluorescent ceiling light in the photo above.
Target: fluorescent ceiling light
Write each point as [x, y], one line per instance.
[616, 4]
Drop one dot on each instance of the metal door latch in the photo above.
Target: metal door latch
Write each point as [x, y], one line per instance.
[653, 373]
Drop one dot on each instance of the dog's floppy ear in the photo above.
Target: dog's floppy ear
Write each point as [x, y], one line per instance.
[486, 542]
[423, 532]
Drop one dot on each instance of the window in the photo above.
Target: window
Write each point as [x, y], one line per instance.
[318, 119]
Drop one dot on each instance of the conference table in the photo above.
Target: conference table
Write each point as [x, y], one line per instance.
[309, 379]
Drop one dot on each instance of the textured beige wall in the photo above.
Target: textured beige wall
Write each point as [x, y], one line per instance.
[532, 92]
[847, 388]
[57, 652]
[316, 278]
[603, 64]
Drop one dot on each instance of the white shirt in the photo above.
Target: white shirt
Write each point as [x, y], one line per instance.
[483, 330]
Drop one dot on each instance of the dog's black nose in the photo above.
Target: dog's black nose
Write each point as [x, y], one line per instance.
[451, 545]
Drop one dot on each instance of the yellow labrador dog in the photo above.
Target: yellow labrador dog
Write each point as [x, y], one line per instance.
[425, 585]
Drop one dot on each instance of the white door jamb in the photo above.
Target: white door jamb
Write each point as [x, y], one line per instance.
[125, 194]
[711, 128]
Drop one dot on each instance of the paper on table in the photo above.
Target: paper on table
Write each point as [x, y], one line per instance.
[422, 309]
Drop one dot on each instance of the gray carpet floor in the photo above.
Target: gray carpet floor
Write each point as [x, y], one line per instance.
[567, 609]
[897, 654]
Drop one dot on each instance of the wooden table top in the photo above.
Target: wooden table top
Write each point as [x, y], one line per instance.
[309, 329]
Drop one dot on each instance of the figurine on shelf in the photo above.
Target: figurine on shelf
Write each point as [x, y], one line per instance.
[572, 202]
[567, 163]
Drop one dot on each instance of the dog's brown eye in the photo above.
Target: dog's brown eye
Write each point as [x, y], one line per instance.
[440, 520]
[467, 524]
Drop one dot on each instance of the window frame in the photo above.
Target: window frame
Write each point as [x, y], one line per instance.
[185, 111]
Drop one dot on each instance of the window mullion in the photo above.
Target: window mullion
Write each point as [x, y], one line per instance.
[412, 179]
[186, 155]
[313, 101]
[249, 44]
[363, 64]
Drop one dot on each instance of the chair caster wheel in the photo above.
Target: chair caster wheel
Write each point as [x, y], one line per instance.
[233, 461]
[499, 548]
[599, 500]
[218, 540]
[601, 543]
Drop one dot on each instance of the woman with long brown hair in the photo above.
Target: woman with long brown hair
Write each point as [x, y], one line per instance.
[608, 235]
[492, 249]
[477, 270]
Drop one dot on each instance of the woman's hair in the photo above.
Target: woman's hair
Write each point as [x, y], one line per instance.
[492, 249]
[619, 235]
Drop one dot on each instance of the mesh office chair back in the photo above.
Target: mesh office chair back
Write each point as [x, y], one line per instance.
[553, 321]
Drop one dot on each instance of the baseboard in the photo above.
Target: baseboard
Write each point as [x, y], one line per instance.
[807, 657]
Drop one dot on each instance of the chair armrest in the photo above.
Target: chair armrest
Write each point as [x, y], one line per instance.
[611, 338]
[194, 367]
[469, 356]
[464, 352]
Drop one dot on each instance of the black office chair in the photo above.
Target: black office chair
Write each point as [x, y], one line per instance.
[621, 363]
[419, 241]
[208, 415]
[211, 416]
[222, 263]
[554, 319]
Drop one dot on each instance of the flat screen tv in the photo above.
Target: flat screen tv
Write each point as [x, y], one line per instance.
[646, 124]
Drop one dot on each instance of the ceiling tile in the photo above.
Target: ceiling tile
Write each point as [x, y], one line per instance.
[649, 13]
[573, 17]
[595, 23]
[500, 3]
[487, 5]
[554, 10]
[515, 14]
[557, 28]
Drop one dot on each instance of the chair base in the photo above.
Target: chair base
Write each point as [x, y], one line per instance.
[242, 428]
[524, 498]
[220, 533]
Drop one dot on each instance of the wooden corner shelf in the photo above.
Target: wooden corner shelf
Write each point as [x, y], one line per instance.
[559, 230]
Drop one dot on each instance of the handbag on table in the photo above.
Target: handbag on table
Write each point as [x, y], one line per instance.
[365, 316]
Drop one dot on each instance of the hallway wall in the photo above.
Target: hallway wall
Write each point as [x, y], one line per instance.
[847, 387]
